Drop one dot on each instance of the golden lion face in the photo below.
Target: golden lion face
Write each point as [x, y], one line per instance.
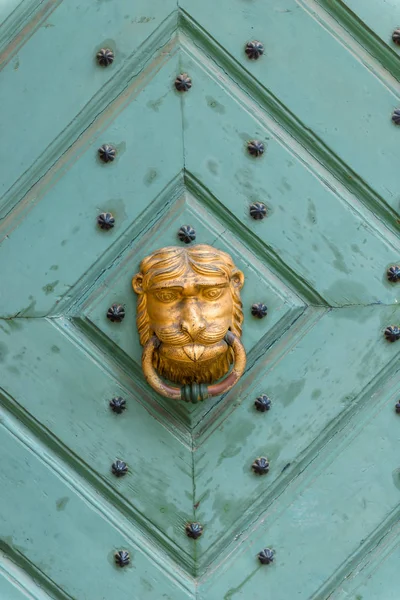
[189, 298]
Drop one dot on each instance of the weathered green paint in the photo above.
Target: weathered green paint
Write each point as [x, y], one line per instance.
[321, 100]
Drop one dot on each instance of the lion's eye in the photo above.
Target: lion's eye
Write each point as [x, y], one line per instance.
[166, 296]
[213, 293]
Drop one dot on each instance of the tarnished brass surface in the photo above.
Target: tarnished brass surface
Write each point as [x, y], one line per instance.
[189, 318]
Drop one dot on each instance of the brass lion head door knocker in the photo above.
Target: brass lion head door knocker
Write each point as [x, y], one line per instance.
[189, 318]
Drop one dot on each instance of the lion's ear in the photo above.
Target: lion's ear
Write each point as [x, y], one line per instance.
[137, 283]
[237, 279]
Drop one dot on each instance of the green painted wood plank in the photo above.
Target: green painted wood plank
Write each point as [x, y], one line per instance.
[327, 518]
[11, 591]
[65, 48]
[72, 543]
[324, 85]
[311, 386]
[59, 234]
[7, 7]
[67, 394]
[375, 576]
[335, 246]
[16, 584]
[381, 17]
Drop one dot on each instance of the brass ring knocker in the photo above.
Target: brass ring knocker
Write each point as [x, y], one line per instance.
[194, 392]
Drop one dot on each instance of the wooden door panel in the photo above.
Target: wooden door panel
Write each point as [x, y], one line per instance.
[314, 384]
[320, 99]
[157, 492]
[73, 518]
[326, 238]
[60, 99]
[309, 73]
[78, 188]
[374, 577]
[328, 518]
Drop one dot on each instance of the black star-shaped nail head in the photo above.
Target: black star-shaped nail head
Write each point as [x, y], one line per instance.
[118, 405]
[393, 273]
[260, 465]
[105, 221]
[258, 211]
[255, 148]
[186, 234]
[183, 82]
[194, 530]
[105, 57]
[262, 403]
[266, 556]
[122, 558]
[254, 49]
[119, 468]
[396, 116]
[106, 153]
[396, 36]
[259, 310]
[392, 333]
[116, 313]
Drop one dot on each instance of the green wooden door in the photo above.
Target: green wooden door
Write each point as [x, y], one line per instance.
[320, 99]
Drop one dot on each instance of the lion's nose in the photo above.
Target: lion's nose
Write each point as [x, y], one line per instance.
[192, 322]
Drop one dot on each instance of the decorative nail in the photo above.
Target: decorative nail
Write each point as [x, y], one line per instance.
[259, 310]
[194, 530]
[255, 148]
[187, 234]
[183, 82]
[118, 405]
[122, 558]
[254, 49]
[260, 466]
[396, 36]
[105, 57]
[266, 556]
[393, 273]
[392, 333]
[397, 407]
[106, 153]
[258, 211]
[396, 116]
[119, 468]
[116, 313]
[105, 221]
[262, 403]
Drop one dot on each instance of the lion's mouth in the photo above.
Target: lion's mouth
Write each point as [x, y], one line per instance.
[194, 351]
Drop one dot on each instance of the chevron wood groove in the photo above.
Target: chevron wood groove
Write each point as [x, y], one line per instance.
[48, 450]
[320, 99]
[376, 567]
[21, 24]
[65, 149]
[374, 34]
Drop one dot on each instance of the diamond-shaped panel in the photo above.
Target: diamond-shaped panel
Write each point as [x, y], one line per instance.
[114, 286]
